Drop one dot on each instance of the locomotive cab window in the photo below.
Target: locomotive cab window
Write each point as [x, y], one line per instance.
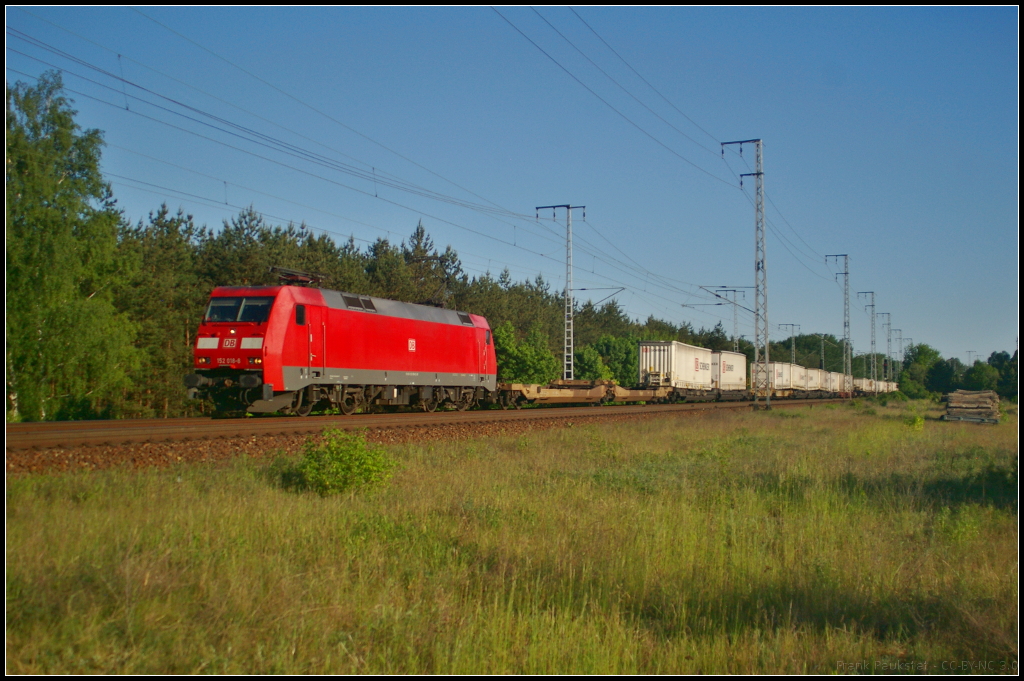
[237, 309]
[487, 336]
[300, 315]
[255, 310]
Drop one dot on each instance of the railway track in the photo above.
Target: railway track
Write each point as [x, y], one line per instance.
[46, 435]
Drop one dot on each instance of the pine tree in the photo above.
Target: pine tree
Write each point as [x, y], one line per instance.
[166, 300]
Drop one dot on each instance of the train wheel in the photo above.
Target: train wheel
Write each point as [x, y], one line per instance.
[466, 400]
[506, 400]
[301, 406]
[429, 405]
[349, 403]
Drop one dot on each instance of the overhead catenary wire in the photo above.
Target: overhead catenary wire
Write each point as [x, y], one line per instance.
[262, 139]
[138, 113]
[768, 195]
[311, 107]
[260, 156]
[609, 105]
[786, 244]
[604, 258]
[630, 67]
[216, 204]
[194, 109]
[555, 235]
[389, 232]
[620, 86]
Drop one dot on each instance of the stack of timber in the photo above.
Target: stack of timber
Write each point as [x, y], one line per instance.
[979, 406]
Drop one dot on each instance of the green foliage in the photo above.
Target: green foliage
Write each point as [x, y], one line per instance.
[945, 375]
[165, 299]
[923, 355]
[915, 422]
[981, 376]
[340, 462]
[1007, 368]
[528, 361]
[589, 366]
[591, 322]
[69, 351]
[621, 357]
[915, 390]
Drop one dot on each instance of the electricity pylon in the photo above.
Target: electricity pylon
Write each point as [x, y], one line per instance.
[567, 356]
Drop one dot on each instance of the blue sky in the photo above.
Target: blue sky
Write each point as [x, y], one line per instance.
[889, 135]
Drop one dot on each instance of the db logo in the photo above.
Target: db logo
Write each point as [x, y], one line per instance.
[230, 342]
[412, 345]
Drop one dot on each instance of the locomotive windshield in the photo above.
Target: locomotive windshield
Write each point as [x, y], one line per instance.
[248, 309]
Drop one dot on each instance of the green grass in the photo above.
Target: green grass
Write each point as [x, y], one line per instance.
[730, 543]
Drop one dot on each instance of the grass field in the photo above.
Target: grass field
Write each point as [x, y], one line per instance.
[843, 538]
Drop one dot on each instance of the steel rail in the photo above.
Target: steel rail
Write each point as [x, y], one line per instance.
[44, 435]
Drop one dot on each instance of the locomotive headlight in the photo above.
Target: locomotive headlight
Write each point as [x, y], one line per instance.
[204, 360]
[255, 360]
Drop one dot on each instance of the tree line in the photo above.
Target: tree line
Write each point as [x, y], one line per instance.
[102, 313]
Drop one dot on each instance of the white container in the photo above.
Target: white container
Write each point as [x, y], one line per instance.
[864, 385]
[835, 382]
[729, 370]
[799, 377]
[780, 375]
[815, 378]
[670, 363]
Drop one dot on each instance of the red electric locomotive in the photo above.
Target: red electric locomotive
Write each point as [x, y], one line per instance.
[285, 349]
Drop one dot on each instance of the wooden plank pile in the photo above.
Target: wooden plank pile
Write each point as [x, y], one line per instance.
[979, 406]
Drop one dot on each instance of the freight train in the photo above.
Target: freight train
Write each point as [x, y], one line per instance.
[288, 349]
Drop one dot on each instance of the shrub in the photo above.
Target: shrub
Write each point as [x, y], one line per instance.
[344, 461]
[339, 462]
[915, 422]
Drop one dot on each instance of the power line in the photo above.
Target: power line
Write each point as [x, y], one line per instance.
[231, 146]
[620, 86]
[656, 91]
[606, 103]
[303, 154]
[197, 89]
[138, 113]
[288, 148]
[312, 108]
[262, 139]
[816, 256]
